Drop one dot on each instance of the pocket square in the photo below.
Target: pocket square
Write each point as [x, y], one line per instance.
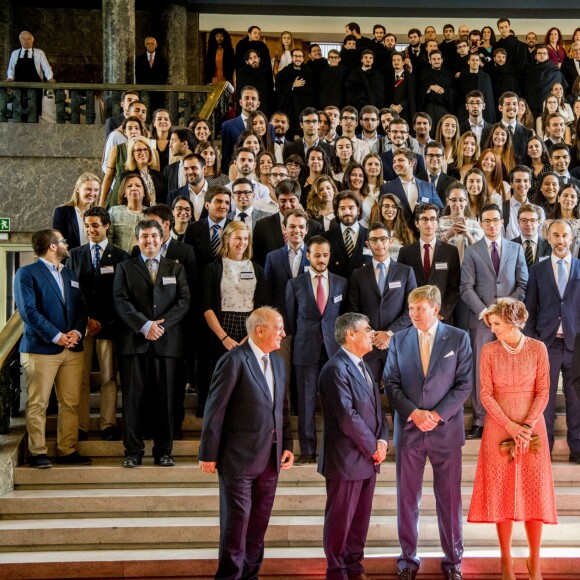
[449, 354]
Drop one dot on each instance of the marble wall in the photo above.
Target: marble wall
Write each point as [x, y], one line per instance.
[39, 165]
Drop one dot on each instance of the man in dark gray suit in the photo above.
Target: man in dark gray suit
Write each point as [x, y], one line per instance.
[247, 438]
[492, 268]
[535, 247]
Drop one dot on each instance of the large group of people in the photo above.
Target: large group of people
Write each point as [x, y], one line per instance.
[378, 219]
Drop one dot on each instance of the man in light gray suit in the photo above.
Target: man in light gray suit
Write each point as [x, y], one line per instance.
[492, 268]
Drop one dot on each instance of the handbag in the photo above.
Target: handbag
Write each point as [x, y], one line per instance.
[508, 447]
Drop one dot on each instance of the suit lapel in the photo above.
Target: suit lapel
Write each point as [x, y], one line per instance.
[484, 253]
[142, 269]
[286, 261]
[573, 275]
[438, 346]
[48, 275]
[257, 373]
[504, 256]
[402, 195]
[357, 374]
[412, 346]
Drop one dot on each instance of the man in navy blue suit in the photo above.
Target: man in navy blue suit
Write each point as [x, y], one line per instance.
[247, 438]
[407, 187]
[552, 298]
[398, 133]
[51, 305]
[313, 303]
[355, 443]
[380, 291]
[428, 377]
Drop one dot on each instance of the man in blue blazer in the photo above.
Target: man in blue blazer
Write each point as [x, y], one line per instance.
[380, 291]
[51, 305]
[492, 268]
[247, 438]
[428, 378]
[552, 300]
[407, 187]
[354, 444]
[314, 301]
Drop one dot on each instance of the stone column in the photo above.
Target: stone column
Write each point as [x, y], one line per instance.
[119, 41]
[174, 23]
[8, 37]
[195, 50]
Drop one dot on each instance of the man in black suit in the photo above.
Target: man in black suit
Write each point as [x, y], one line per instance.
[508, 106]
[94, 264]
[555, 129]
[247, 438]
[268, 232]
[560, 161]
[416, 53]
[536, 248]
[380, 291]
[255, 75]
[151, 299]
[571, 66]
[151, 69]
[181, 144]
[434, 262]
[434, 155]
[398, 134]
[309, 122]
[475, 105]
[195, 187]
[401, 89]
[348, 249]
[115, 122]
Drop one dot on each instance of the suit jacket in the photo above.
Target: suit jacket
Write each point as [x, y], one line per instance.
[147, 75]
[445, 272]
[241, 422]
[138, 300]
[386, 312]
[480, 287]
[444, 389]
[197, 236]
[340, 264]
[465, 126]
[520, 141]
[231, 130]
[353, 421]
[547, 310]
[171, 174]
[310, 328]
[297, 148]
[427, 194]
[278, 273]
[268, 236]
[542, 251]
[65, 221]
[570, 73]
[44, 311]
[389, 173]
[97, 287]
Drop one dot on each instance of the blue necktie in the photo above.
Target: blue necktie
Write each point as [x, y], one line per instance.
[97, 258]
[561, 277]
[215, 239]
[382, 276]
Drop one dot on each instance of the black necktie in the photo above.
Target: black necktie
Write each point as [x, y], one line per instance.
[26, 54]
[529, 253]
[243, 216]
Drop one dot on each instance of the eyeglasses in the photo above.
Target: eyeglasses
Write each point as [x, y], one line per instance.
[278, 174]
[494, 221]
[427, 220]
[182, 209]
[381, 240]
[292, 164]
[397, 132]
[333, 57]
[310, 121]
[528, 220]
[140, 150]
[434, 155]
[344, 118]
[247, 193]
[62, 241]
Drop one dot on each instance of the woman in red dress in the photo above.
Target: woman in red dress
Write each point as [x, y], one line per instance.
[516, 486]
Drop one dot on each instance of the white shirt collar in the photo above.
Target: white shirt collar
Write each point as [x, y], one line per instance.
[355, 228]
[314, 273]
[555, 259]
[489, 242]
[376, 263]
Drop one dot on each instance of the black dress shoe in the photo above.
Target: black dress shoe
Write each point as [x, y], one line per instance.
[305, 459]
[406, 574]
[73, 459]
[164, 461]
[131, 461]
[83, 435]
[110, 434]
[39, 461]
[475, 433]
[453, 575]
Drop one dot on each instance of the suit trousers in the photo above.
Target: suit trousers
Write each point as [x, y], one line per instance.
[446, 464]
[346, 524]
[307, 389]
[561, 361]
[478, 337]
[65, 371]
[245, 506]
[148, 378]
[108, 380]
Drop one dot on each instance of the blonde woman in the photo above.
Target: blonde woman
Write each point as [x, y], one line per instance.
[283, 56]
[142, 159]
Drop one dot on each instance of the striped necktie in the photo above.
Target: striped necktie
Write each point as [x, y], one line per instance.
[348, 242]
[215, 239]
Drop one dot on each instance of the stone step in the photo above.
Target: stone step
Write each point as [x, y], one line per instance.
[108, 473]
[199, 532]
[204, 501]
[479, 563]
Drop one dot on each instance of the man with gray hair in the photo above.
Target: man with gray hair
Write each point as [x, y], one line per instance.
[354, 444]
[571, 66]
[247, 438]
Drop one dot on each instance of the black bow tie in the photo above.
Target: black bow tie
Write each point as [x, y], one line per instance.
[279, 141]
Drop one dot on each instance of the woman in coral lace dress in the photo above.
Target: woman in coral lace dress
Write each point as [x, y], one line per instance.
[514, 390]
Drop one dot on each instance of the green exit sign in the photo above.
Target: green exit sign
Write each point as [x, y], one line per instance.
[4, 224]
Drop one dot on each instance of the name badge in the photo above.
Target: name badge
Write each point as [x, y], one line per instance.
[337, 299]
[424, 200]
[167, 280]
[440, 265]
[247, 275]
[107, 269]
[396, 284]
[74, 284]
[367, 252]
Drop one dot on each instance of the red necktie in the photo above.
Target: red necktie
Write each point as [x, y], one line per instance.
[426, 261]
[320, 298]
